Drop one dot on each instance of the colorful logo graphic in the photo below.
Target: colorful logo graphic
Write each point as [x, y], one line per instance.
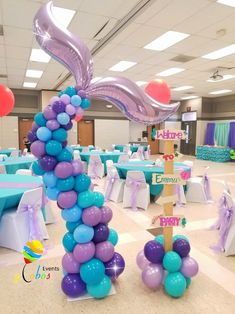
[32, 251]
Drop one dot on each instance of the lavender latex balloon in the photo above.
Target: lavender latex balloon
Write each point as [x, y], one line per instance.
[189, 267]
[141, 260]
[77, 167]
[69, 263]
[91, 216]
[49, 113]
[104, 251]
[63, 169]
[34, 127]
[152, 276]
[52, 125]
[67, 199]
[83, 252]
[38, 149]
[107, 214]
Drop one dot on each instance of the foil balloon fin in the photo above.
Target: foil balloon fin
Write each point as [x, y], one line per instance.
[63, 46]
[128, 97]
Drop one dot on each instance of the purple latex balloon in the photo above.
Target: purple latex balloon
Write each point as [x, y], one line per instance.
[91, 216]
[152, 276]
[73, 286]
[67, 199]
[49, 113]
[77, 167]
[52, 125]
[32, 136]
[107, 214]
[79, 111]
[64, 169]
[84, 252]
[182, 247]
[189, 267]
[82, 93]
[63, 45]
[59, 106]
[71, 110]
[69, 263]
[48, 163]
[64, 144]
[54, 99]
[141, 260]
[101, 233]
[104, 251]
[34, 127]
[38, 149]
[115, 266]
[154, 251]
[68, 126]
[65, 98]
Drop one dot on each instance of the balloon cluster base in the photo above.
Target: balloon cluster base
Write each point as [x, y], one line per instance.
[87, 296]
[173, 269]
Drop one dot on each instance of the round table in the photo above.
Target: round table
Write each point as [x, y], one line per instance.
[6, 151]
[148, 169]
[133, 148]
[80, 148]
[104, 156]
[12, 164]
[15, 186]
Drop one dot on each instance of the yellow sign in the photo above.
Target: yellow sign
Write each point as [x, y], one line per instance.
[170, 221]
[167, 179]
[166, 199]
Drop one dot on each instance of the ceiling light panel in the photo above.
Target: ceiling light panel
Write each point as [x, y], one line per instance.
[225, 77]
[122, 66]
[178, 89]
[166, 40]
[230, 3]
[38, 55]
[170, 71]
[221, 91]
[220, 53]
[29, 84]
[63, 16]
[189, 97]
[141, 83]
[34, 73]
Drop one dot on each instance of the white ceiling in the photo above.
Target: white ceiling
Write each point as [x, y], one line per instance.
[199, 18]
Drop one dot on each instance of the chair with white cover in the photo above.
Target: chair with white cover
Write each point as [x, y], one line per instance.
[114, 186]
[3, 157]
[123, 158]
[188, 163]
[109, 164]
[147, 153]
[116, 151]
[24, 172]
[2, 169]
[140, 152]
[180, 195]
[136, 191]
[85, 150]
[15, 153]
[127, 150]
[24, 224]
[198, 190]
[76, 155]
[229, 247]
[95, 167]
[135, 157]
[158, 162]
[25, 151]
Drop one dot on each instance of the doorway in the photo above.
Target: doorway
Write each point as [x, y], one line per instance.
[188, 146]
[86, 132]
[154, 144]
[25, 126]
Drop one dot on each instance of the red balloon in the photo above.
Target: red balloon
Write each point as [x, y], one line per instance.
[78, 118]
[7, 100]
[159, 90]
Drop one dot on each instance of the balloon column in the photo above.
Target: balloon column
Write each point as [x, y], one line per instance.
[7, 100]
[90, 263]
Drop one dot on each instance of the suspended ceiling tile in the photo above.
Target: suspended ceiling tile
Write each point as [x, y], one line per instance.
[17, 52]
[101, 7]
[17, 36]
[16, 63]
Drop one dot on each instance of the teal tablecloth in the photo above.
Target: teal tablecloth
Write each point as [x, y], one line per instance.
[133, 148]
[218, 154]
[148, 169]
[12, 164]
[80, 148]
[10, 197]
[6, 151]
[103, 156]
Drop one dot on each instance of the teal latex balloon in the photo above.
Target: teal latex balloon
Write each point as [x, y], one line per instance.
[82, 183]
[172, 261]
[85, 103]
[86, 199]
[92, 272]
[70, 90]
[83, 233]
[180, 236]
[71, 226]
[40, 119]
[66, 184]
[65, 155]
[69, 242]
[188, 281]
[175, 284]
[53, 147]
[60, 135]
[50, 179]
[72, 214]
[52, 193]
[160, 239]
[99, 199]
[36, 168]
[100, 290]
[113, 236]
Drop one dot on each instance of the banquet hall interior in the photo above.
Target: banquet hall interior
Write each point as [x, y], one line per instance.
[117, 156]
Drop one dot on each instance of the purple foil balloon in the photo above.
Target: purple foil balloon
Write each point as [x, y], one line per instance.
[63, 46]
[52, 125]
[48, 163]
[38, 149]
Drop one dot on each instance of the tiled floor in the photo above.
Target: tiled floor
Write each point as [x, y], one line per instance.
[212, 291]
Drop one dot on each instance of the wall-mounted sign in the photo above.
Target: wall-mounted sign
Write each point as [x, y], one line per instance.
[167, 179]
[170, 221]
[166, 199]
[170, 135]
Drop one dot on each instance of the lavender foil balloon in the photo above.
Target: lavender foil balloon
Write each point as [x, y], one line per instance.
[69, 50]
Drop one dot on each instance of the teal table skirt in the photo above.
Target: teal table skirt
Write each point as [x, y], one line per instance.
[148, 169]
[132, 148]
[6, 152]
[15, 163]
[103, 156]
[80, 148]
[10, 196]
[217, 154]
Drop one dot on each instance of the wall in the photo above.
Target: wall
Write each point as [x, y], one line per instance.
[136, 130]
[9, 136]
[108, 132]
[46, 95]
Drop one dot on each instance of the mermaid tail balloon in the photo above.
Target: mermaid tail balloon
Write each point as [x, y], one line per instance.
[69, 50]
